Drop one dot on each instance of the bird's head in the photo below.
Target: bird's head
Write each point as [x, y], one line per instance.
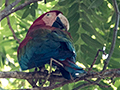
[53, 18]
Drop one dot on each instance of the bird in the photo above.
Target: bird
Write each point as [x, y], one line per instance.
[48, 39]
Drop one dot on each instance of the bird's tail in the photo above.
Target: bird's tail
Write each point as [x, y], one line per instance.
[69, 69]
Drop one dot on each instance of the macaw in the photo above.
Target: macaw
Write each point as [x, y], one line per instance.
[47, 38]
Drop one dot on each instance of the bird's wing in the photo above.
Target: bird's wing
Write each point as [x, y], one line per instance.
[42, 44]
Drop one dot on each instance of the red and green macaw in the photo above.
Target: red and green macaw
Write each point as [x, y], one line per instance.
[47, 38]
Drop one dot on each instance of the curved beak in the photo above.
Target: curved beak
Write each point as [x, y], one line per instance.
[61, 22]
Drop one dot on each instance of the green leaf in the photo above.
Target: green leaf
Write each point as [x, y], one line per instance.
[22, 1]
[59, 88]
[15, 68]
[62, 2]
[117, 82]
[64, 10]
[2, 57]
[87, 87]
[35, 5]
[11, 64]
[85, 9]
[73, 9]
[92, 31]
[49, 1]
[32, 11]
[96, 3]
[114, 64]
[73, 30]
[78, 84]
[22, 25]
[3, 23]
[113, 18]
[84, 16]
[91, 42]
[105, 84]
[118, 88]
[65, 87]
[116, 53]
[74, 18]
[110, 1]
[106, 25]
[27, 7]
[88, 51]
[6, 42]
[86, 27]
[76, 47]
[76, 37]
[26, 13]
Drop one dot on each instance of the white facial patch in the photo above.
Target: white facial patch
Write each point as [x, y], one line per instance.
[49, 18]
[64, 20]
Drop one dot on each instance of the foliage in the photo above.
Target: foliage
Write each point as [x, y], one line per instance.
[91, 27]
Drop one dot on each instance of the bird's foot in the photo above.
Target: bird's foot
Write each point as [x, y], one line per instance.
[36, 69]
[56, 72]
[41, 69]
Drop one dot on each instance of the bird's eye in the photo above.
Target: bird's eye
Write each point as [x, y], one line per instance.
[48, 14]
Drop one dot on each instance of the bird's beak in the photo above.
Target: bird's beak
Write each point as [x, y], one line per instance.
[61, 22]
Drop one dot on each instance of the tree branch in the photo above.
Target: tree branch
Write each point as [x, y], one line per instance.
[58, 78]
[114, 34]
[8, 10]
[30, 75]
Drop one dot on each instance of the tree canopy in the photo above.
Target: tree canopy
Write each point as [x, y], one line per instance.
[94, 25]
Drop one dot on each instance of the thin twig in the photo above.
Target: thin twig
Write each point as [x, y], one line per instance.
[88, 84]
[8, 21]
[14, 35]
[114, 34]
[95, 59]
[8, 10]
